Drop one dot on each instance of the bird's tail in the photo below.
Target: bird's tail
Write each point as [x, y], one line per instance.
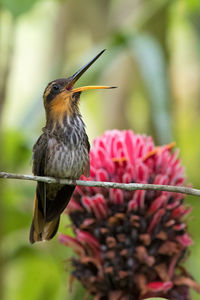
[41, 229]
[47, 213]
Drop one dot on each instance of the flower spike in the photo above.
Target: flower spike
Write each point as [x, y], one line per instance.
[131, 243]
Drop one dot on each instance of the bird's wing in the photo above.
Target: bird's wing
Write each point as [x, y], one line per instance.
[49, 209]
[42, 228]
[39, 163]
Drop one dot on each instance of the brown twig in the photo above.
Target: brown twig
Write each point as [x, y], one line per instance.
[115, 185]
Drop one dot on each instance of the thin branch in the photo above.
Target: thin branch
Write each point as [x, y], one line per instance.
[115, 185]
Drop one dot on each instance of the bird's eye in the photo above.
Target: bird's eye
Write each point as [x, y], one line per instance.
[55, 87]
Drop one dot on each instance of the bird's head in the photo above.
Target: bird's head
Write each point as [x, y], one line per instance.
[60, 96]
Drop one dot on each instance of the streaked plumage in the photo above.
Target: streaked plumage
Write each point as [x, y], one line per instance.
[62, 151]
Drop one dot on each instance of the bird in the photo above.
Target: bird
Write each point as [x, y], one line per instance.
[61, 151]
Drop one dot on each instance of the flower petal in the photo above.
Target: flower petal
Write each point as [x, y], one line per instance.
[159, 286]
[71, 242]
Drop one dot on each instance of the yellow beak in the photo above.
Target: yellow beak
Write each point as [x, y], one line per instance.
[92, 87]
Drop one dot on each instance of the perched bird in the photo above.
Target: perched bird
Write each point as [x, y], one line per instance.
[61, 151]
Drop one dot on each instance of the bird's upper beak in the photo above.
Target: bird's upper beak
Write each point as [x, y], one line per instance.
[80, 72]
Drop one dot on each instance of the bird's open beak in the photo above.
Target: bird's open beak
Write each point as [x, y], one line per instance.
[80, 72]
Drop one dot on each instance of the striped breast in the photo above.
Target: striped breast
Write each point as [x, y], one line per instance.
[66, 161]
[68, 149]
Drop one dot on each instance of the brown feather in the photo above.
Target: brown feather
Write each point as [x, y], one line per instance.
[40, 229]
[56, 207]
[60, 105]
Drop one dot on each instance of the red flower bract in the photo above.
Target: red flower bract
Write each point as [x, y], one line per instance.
[130, 243]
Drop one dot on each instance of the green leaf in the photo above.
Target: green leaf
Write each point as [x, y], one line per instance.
[35, 278]
[192, 4]
[16, 151]
[17, 7]
[149, 56]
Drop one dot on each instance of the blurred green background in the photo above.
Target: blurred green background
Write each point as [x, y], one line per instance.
[153, 56]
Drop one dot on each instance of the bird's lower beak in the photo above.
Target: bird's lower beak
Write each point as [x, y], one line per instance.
[92, 87]
[79, 73]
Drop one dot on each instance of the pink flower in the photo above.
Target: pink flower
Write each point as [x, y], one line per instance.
[130, 243]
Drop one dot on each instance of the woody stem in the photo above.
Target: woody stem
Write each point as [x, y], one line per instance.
[115, 185]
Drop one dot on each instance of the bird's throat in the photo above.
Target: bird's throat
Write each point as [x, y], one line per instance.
[65, 124]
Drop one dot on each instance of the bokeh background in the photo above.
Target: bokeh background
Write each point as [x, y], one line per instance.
[153, 56]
